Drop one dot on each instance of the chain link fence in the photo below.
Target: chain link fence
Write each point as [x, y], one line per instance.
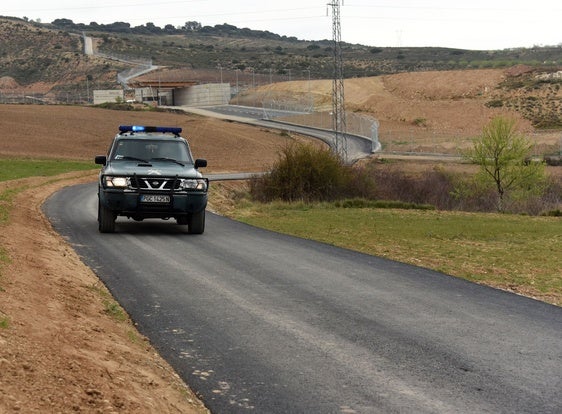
[451, 143]
[41, 98]
[356, 124]
[414, 141]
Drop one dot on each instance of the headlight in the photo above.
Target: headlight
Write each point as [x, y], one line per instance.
[194, 184]
[117, 182]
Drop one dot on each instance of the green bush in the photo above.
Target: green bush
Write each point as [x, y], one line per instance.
[305, 172]
[116, 106]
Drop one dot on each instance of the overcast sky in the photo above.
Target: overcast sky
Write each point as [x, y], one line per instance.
[478, 24]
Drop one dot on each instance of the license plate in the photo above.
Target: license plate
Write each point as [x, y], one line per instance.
[154, 198]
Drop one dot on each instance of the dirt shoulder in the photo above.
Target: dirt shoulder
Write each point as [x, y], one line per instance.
[64, 347]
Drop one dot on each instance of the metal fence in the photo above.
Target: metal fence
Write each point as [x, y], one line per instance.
[356, 124]
[29, 97]
[454, 143]
[126, 58]
[424, 142]
[417, 141]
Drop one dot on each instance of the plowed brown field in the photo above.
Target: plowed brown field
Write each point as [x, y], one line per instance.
[72, 132]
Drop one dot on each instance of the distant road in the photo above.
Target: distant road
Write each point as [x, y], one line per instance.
[88, 45]
[232, 176]
[247, 111]
[255, 321]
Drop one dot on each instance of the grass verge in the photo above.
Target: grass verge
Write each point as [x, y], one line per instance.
[15, 168]
[4, 259]
[4, 322]
[517, 253]
[111, 307]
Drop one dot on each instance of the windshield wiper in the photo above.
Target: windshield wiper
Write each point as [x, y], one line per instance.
[168, 159]
[126, 157]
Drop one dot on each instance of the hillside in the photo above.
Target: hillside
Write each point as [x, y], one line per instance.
[416, 89]
[41, 59]
[436, 111]
[230, 47]
[37, 52]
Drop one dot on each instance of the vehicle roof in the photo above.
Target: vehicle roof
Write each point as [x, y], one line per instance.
[149, 135]
[154, 132]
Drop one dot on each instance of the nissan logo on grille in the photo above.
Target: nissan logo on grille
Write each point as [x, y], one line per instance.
[146, 183]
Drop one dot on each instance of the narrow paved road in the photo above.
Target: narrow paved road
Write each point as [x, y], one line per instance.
[88, 45]
[257, 321]
[357, 147]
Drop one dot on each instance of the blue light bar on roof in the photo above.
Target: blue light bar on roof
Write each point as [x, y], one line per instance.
[142, 128]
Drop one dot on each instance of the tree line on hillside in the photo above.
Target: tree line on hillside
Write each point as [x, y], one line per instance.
[169, 29]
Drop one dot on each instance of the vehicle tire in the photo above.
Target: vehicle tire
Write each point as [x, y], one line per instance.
[196, 223]
[106, 219]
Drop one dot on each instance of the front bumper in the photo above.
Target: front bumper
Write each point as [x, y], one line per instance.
[128, 203]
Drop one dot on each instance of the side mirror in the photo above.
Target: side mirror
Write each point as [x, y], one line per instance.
[200, 163]
[101, 159]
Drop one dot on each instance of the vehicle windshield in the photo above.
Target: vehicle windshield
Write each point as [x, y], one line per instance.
[147, 149]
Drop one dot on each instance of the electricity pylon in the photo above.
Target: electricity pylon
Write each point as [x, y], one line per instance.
[338, 107]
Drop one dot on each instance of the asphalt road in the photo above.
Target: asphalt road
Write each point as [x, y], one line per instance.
[357, 147]
[257, 321]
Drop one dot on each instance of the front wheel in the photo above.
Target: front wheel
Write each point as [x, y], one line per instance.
[106, 219]
[196, 223]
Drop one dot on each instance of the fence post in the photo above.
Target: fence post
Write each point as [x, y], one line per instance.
[374, 135]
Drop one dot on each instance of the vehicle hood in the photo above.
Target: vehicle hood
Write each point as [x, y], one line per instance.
[154, 168]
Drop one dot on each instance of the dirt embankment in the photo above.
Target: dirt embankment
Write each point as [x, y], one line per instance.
[64, 345]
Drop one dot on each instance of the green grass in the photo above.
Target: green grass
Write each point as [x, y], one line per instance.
[4, 259]
[519, 253]
[134, 336]
[6, 198]
[12, 169]
[4, 323]
[111, 307]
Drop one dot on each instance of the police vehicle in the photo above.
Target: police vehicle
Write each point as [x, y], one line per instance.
[149, 172]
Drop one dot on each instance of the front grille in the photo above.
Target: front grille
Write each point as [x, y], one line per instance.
[155, 183]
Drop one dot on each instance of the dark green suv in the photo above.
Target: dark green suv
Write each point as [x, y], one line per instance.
[149, 172]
